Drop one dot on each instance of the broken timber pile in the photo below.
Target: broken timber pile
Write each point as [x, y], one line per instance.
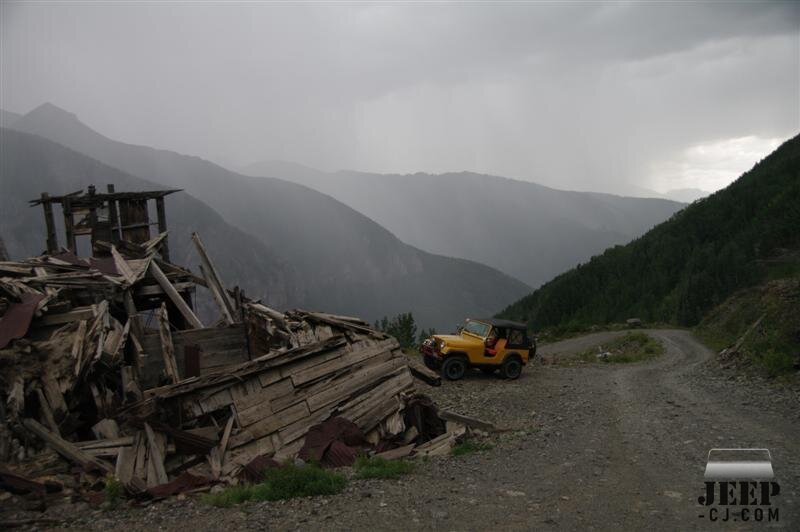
[104, 360]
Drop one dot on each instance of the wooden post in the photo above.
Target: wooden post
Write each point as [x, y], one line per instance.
[133, 314]
[212, 277]
[218, 297]
[161, 213]
[191, 361]
[174, 296]
[52, 240]
[167, 347]
[69, 225]
[113, 216]
[92, 214]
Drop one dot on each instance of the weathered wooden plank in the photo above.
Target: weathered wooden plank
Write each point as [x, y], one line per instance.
[218, 298]
[216, 401]
[106, 429]
[65, 448]
[156, 455]
[243, 390]
[167, 348]
[174, 296]
[360, 405]
[299, 428]
[77, 314]
[47, 413]
[55, 399]
[344, 387]
[213, 278]
[122, 441]
[122, 266]
[133, 314]
[356, 355]
[294, 367]
[395, 454]
[126, 461]
[248, 451]
[264, 397]
[140, 470]
[270, 424]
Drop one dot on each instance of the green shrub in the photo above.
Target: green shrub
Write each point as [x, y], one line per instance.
[632, 347]
[284, 482]
[777, 363]
[376, 467]
[113, 490]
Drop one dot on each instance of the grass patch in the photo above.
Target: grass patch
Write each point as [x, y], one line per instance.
[557, 333]
[632, 347]
[469, 447]
[376, 467]
[113, 491]
[765, 319]
[286, 482]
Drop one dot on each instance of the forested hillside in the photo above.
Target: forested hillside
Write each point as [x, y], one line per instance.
[683, 267]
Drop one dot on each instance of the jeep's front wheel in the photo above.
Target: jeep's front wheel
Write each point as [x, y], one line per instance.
[454, 368]
[511, 368]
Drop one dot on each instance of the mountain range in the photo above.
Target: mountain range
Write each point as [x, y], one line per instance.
[526, 230]
[320, 253]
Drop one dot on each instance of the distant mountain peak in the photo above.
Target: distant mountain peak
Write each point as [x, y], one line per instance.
[51, 110]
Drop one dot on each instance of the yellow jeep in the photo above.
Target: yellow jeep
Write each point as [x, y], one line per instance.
[486, 344]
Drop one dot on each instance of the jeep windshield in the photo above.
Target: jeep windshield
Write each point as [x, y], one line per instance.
[477, 328]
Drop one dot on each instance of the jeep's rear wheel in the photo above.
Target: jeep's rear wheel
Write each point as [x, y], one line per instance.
[454, 368]
[511, 368]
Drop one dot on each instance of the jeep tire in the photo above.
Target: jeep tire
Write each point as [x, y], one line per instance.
[511, 368]
[454, 368]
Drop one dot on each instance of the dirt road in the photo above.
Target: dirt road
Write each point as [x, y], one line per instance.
[599, 446]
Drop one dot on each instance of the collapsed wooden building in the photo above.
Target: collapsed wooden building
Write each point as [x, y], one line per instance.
[105, 365]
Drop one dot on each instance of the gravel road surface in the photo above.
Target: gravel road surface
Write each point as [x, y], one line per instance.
[591, 447]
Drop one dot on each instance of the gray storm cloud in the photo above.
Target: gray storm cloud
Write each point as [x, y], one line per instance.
[601, 97]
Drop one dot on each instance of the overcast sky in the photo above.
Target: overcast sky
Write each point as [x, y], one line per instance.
[589, 96]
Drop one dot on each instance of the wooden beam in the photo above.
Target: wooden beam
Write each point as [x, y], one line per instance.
[78, 314]
[211, 274]
[223, 445]
[65, 448]
[174, 296]
[218, 297]
[52, 241]
[113, 215]
[69, 225]
[133, 314]
[154, 290]
[47, 414]
[156, 455]
[161, 212]
[167, 348]
[122, 266]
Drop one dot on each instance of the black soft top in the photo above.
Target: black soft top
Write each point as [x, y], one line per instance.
[504, 324]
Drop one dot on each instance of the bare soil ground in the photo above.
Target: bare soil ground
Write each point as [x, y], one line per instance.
[590, 447]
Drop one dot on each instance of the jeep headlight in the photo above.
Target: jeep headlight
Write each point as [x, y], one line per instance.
[441, 344]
